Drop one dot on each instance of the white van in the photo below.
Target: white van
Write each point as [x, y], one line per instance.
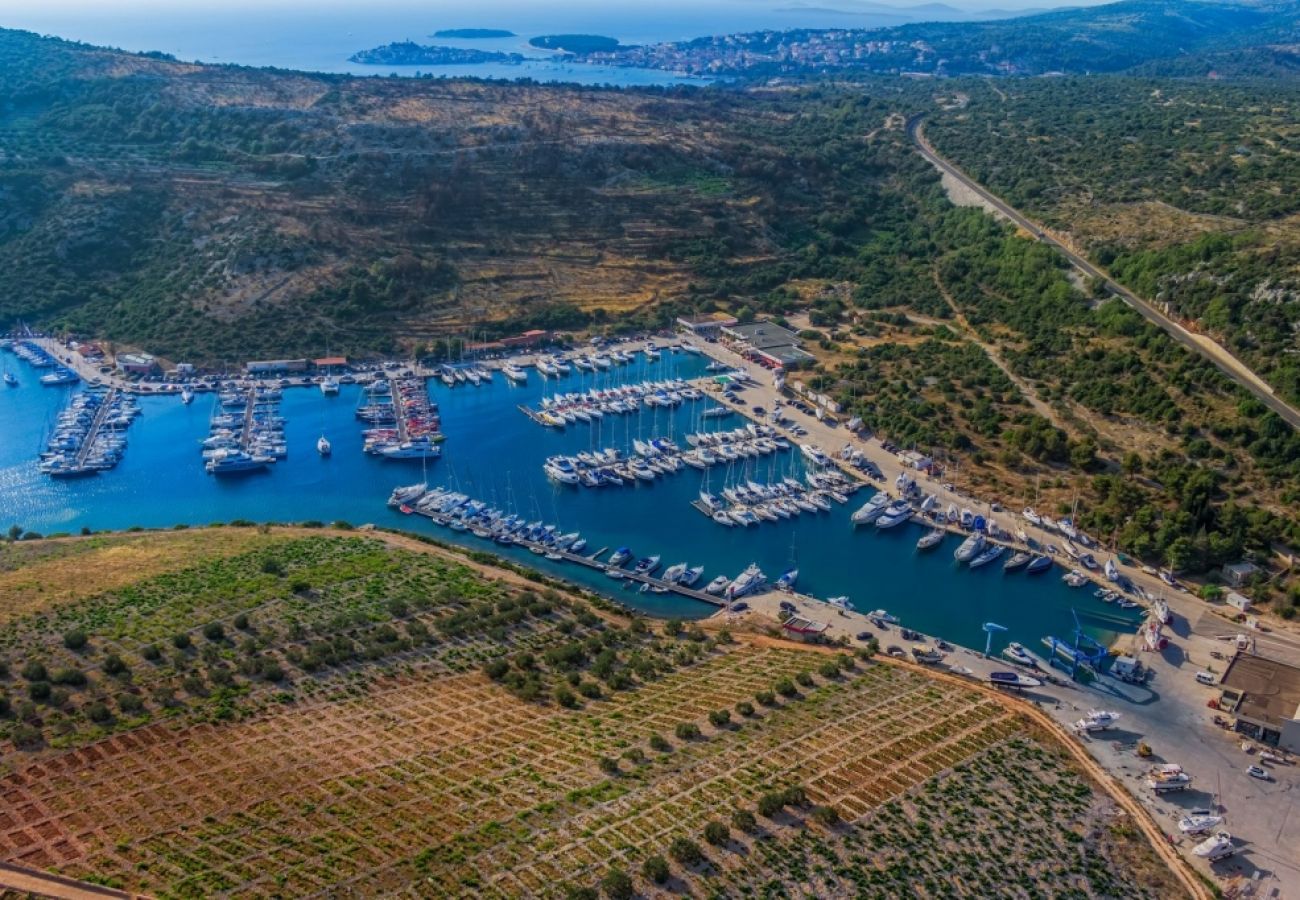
[1206, 678]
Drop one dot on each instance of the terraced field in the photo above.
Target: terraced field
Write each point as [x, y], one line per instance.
[574, 751]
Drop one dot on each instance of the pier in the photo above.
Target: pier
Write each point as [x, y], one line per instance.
[399, 410]
[592, 562]
[88, 442]
[250, 407]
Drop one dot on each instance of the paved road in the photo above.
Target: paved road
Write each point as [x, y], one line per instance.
[1222, 359]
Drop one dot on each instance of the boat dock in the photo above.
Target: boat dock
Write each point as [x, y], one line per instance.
[246, 432]
[88, 443]
[399, 410]
[592, 562]
[532, 414]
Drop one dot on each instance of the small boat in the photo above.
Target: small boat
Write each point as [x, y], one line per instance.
[883, 616]
[408, 494]
[621, 555]
[841, 602]
[187, 395]
[1013, 680]
[646, 565]
[1038, 565]
[787, 580]
[1031, 517]
[1199, 822]
[1215, 848]
[1074, 578]
[717, 585]
[691, 575]
[673, 574]
[1018, 561]
[969, 548]
[930, 539]
[1112, 570]
[871, 510]
[10, 379]
[323, 446]
[329, 386]
[1097, 720]
[988, 556]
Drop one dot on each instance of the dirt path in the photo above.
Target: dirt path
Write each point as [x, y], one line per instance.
[43, 884]
[1030, 393]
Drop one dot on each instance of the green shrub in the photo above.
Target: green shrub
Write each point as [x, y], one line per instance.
[771, 803]
[720, 718]
[655, 869]
[687, 731]
[69, 676]
[214, 632]
[609, 765]
[660, 743]
[75, 639]
[743, 820]
[114, 665]
[151, 652]
[806, 679]
[617, 885]
[35, 671]
[97, 712]
[565, 697]
[716, 833]
[785, 687]
[496, 669]
[767, 698]
[686, 851]
[745, 708]
[826, 816]
[181, 641]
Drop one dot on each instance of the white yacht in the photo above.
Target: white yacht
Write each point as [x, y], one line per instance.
[930, 539]
[1199, 822]
[1216, 847]
[187, 396]
[329, 386]
[1097, 720]
[871, 510]
[969, 547]
[514, 374]
[323, 446]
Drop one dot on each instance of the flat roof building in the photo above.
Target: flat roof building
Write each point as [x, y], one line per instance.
[769, 343]
[136, 363]
[268, 366]
[707, 325]
[1264, 695]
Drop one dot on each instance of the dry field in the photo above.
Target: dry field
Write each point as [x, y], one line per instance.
[427, 771]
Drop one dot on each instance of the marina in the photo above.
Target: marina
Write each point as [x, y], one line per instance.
[89, 436]
[156, 485]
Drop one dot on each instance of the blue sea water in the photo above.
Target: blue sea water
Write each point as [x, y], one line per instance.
[494, 452]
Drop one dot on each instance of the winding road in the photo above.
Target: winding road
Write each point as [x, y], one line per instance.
[1230, 365]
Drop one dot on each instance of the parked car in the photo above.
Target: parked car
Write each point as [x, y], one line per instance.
[1259, 772]
[909, 635]
[895, 650]
[865, 636]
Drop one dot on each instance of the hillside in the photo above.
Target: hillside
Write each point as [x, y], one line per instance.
[367, 714]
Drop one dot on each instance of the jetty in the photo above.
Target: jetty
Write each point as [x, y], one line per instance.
[96, 424]
[399, 410]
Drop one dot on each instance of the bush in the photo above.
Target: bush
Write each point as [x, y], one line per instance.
[496, 669]
[582, 893]
[745, 708]
[716, 833]
[794, 796]
[743, 820]
[617, 885]
[98, 712]
[214, 632]
[181, 641]
[687, 731]
[771, 803]
[609, 765]
[241, 622]
[673, 627]
[75, 639]
[660, 743]
[826, 816]
[655, 869]
[114, 665]
[829, 669]
[35, 671]
[767, 698]
[634, 755]
[39, 690]
[565, 697]
[806, 679]
[785, 687]
[720, 718]
[69, 676]
[151, 653]
[129, 703]
[686, 851]
[590, 690]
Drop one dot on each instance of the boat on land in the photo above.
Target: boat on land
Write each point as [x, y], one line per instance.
[1199, 822]
[1032, 517]
[1097, 720]
[930, 539]
[840, 602]
[1112, 570]
[969, 548]
[1217, 847]
[883, 616]
[1168, 778]
[1013, 680]
[1018, 654]
[927, 655]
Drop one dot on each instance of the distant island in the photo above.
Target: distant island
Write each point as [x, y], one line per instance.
[576, 43]
[473, 33]
[409, 53]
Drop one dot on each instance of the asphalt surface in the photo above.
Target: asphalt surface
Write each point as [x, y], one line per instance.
[1234, 368]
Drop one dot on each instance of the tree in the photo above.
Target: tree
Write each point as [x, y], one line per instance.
[1132, 463]
[655, 869]
[617, 885]
[1180, 554]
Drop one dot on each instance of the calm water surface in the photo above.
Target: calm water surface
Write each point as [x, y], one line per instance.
[494, 452]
